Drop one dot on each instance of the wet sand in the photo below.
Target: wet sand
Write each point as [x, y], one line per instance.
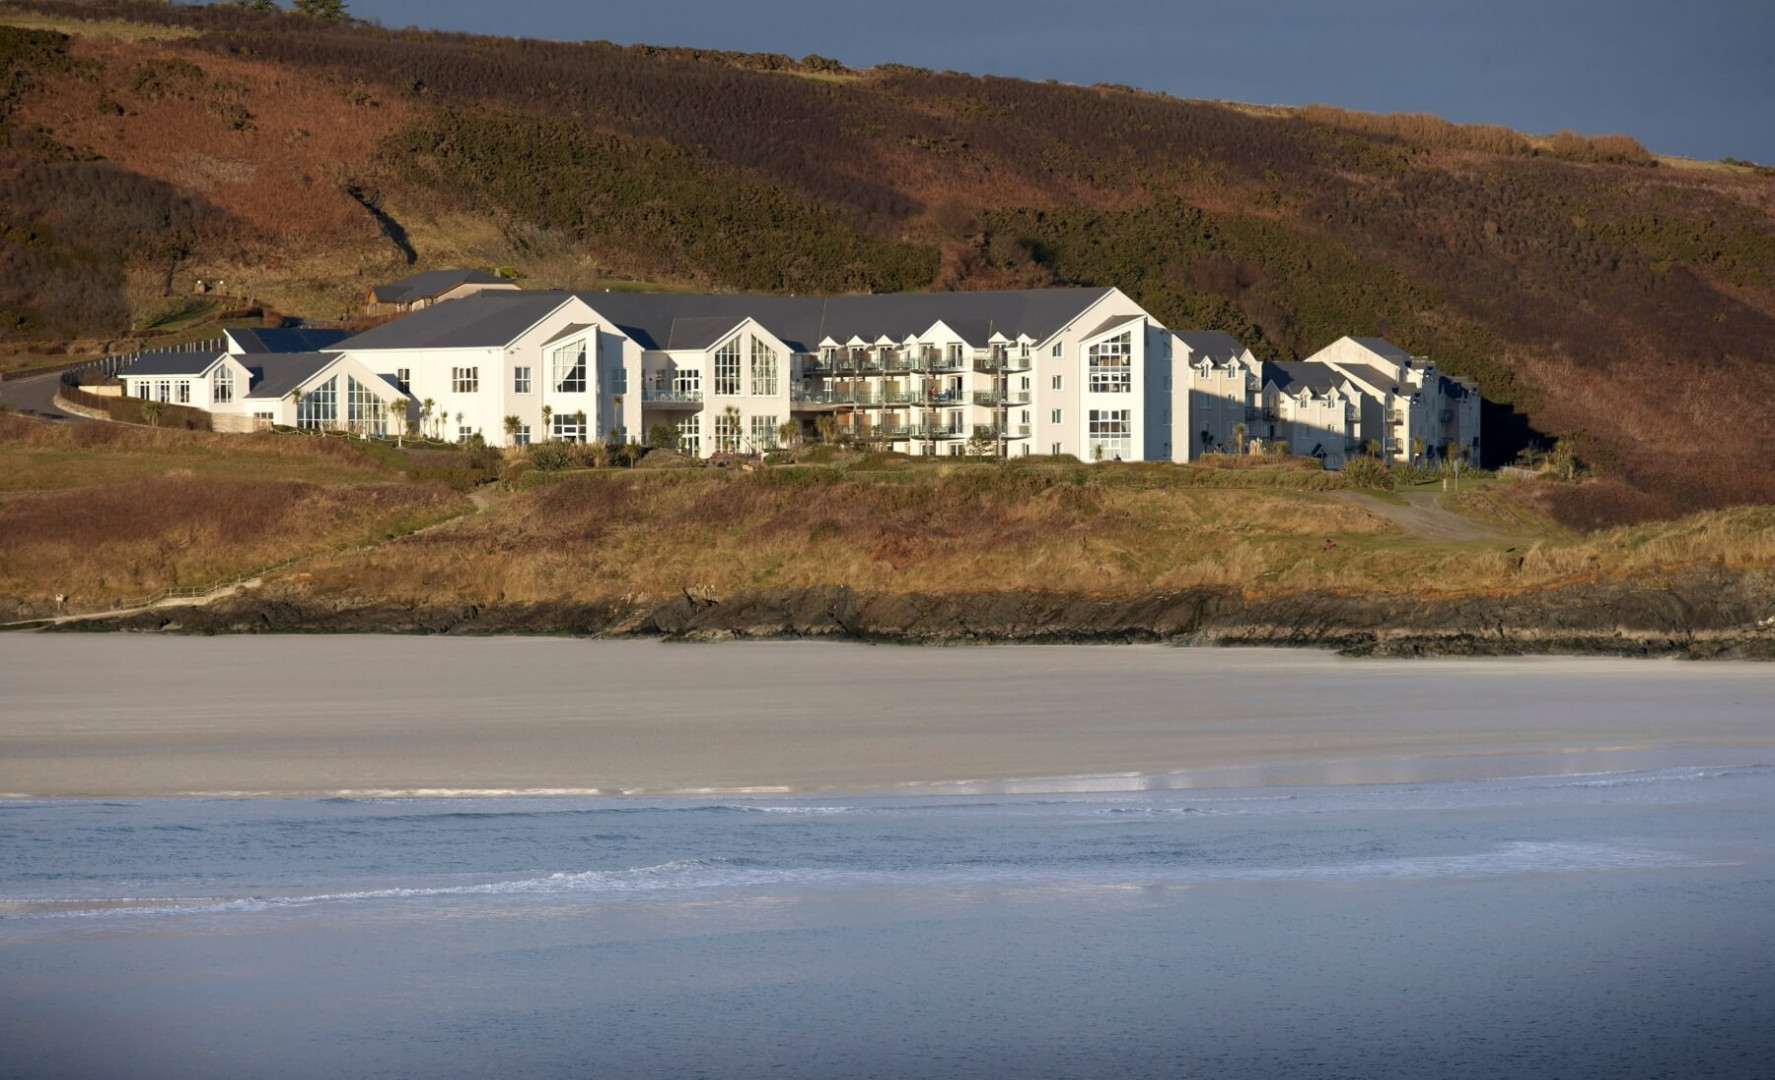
[159, 716]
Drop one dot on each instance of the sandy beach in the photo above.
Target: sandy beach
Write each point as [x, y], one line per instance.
[151, 716]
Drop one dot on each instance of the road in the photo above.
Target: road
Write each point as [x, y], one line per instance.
[36, 395]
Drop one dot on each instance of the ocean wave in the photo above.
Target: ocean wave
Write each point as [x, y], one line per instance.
[1515, 858]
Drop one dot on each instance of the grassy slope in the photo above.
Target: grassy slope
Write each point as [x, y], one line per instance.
[1108, 530]
[1567, 283]
[97, 512]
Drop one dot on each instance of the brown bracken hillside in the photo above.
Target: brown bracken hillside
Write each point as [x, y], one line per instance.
[1600, 294]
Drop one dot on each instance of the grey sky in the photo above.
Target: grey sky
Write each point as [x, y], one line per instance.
[1695, 78]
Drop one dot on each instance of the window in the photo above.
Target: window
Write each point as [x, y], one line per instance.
[465, 380]
[1112, 365]
[319, 408]
[520, 380]
[224, 385]
[690, 435]
[567, 368]
[727, 373]
[521, 435]
[764, 432]
[764, 369]
[463, 432]
[1023, 352]
[569, 428]
[688, 381]
[163, 390]
[727, 428]
[183, 388]
[364, 411]
[955, 353]
[404, 376]
[1025, 385]
[1054, 417]
[1056, 450]
[1025, 416]
[829, 355]
[1056, 352]
[1110, 434]
[1055, 383]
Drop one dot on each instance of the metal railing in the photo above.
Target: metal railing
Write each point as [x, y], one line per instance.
[671, 397]
[1001, 397]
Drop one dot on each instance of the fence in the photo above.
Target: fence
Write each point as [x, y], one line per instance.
[192, 592]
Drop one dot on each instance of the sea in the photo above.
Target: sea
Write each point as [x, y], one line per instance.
[1569, 922]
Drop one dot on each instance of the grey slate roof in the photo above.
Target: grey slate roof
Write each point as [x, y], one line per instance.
[495, 318]
[802, 322]
[287, 339]
[173, 363]
[1290, 375]
[700, 332]
[484, 320]
[1214, 344]
[276, 374]
[571, 329]
[430, 283]
[1109, 324]
[1373, 376]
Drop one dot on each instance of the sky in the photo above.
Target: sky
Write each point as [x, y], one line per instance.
[1694, 78]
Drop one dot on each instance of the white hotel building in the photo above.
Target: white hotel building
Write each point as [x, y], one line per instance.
[1084, 372]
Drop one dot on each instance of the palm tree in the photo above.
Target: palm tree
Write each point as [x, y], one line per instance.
[547, 412]
[427, 409]
[1239, 437]
[397, 415]
[296, 401]
[512, 424]
[151, 411]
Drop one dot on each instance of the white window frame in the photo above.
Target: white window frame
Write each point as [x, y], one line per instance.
[521, 379]
[727, 368]
[222, 386]
[567, 368]
[765, 369]
[465, 380]
[1110, 363]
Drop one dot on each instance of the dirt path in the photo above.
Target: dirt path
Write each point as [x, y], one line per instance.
[1422, 517]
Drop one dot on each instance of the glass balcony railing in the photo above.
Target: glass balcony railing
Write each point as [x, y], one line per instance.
[671, 397]
[1001, 397]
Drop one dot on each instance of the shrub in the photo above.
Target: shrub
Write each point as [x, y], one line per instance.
[1368, 473]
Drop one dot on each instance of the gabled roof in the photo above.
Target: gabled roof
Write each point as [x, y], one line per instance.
[286, 339]
[568, 331]
[276, 374]
[1373, 376]
[496, 317]
[1290, 376]
[432, 283]
[700, 332]
[1114, 322]
[1214, 344]
[802, 322]
[173, 363]
[485, 320]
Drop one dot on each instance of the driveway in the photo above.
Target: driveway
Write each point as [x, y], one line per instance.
[1420, 516]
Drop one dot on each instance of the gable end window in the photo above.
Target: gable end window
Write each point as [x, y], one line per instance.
[465, 380]
[727, 372]
[567, 368]
[1112, 365]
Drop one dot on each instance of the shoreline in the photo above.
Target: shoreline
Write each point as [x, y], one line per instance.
[1709, 614]
[137, 716]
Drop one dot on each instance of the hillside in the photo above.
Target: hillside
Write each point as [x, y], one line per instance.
[1599, 294]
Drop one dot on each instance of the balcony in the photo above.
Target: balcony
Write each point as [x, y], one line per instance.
[1001, 397]
[666, 399]
[932, 431]
[993, 365]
